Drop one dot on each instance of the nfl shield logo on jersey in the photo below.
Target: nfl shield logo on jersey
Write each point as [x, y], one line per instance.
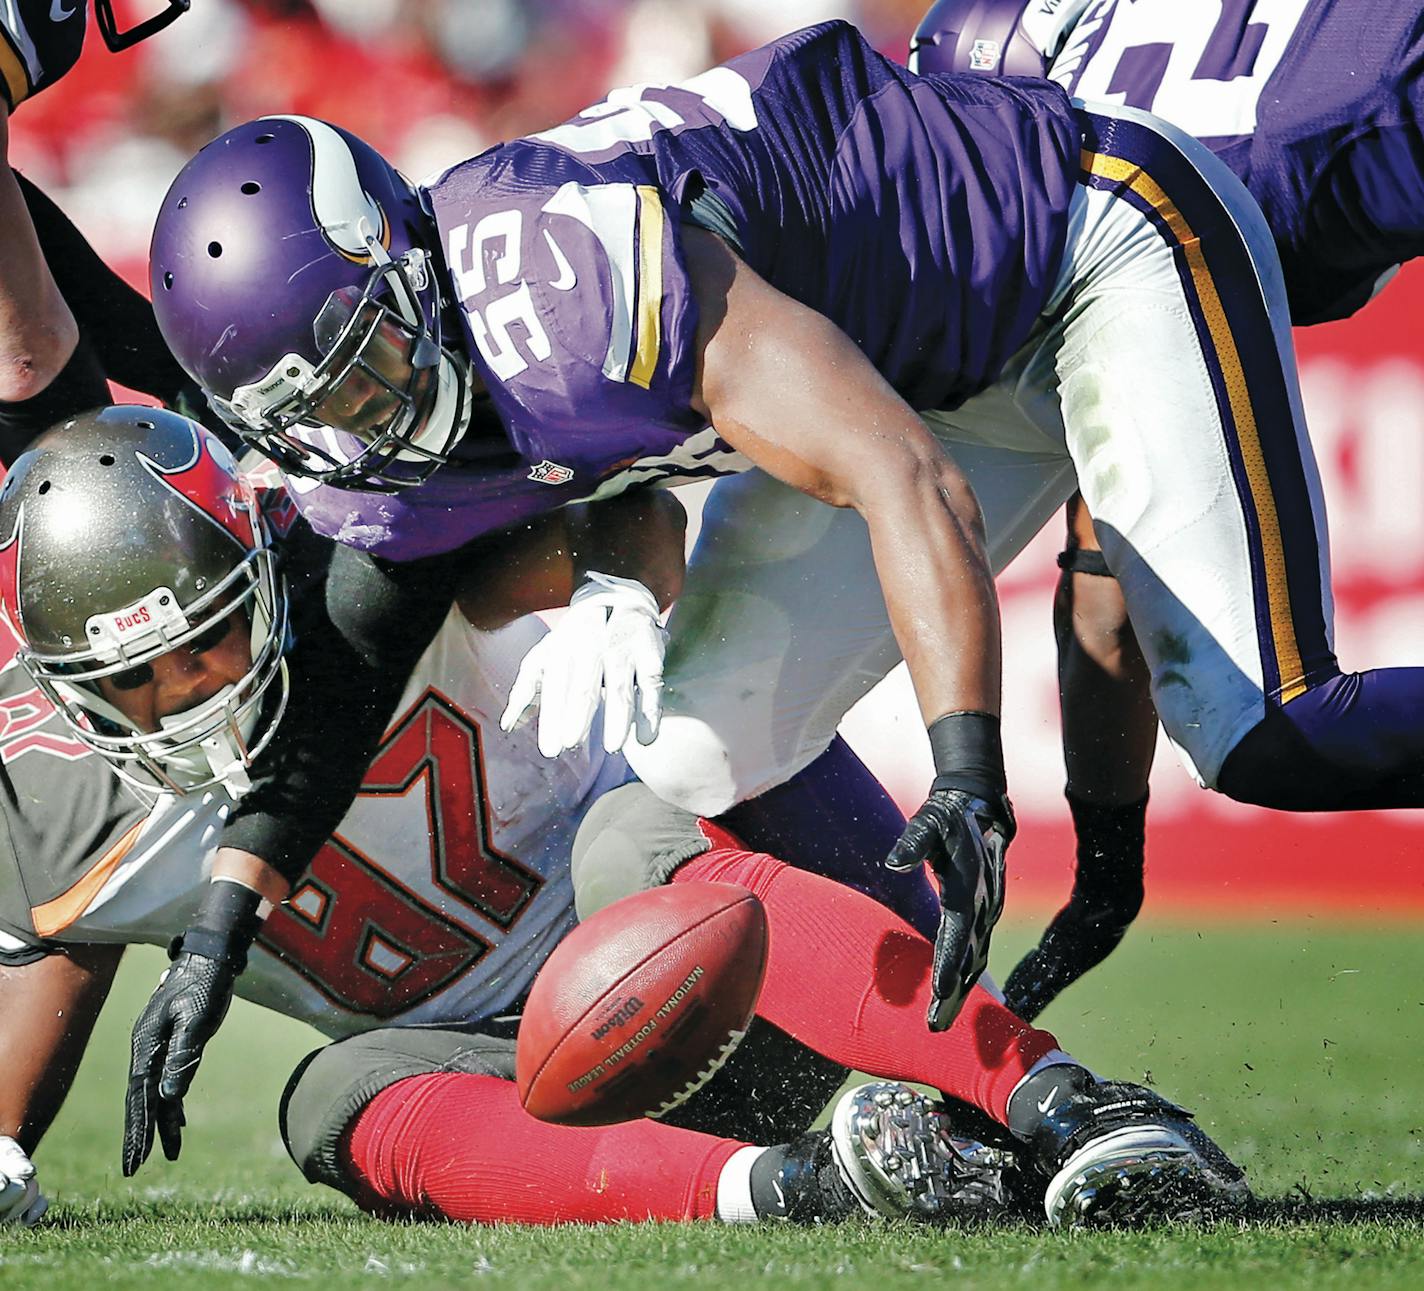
[984, 57]
[547, 472]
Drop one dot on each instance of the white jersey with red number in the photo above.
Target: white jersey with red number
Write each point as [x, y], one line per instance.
[441, 893]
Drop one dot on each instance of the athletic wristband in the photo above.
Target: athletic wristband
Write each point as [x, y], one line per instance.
[968, 754]
[226, 921]
[1080, 560]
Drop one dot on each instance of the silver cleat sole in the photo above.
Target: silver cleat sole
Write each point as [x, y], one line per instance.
[1137, 1174]
[895, 1151]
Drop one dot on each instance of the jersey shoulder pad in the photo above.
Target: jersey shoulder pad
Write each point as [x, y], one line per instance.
[578, 306]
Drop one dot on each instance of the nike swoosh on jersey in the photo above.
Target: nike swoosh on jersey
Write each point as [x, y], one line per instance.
[567, 277]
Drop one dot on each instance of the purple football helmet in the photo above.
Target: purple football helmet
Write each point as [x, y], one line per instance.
[292, 276]
[996, 37]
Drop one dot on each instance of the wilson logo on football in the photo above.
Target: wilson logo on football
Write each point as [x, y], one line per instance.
[621, 1016]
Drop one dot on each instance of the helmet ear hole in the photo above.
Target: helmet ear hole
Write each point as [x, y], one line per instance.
[251, 187]
[215, 249]
[264, 138]
[106, 459]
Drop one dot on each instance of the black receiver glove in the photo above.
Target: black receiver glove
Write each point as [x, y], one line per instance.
[182, 1015]
[962, 833]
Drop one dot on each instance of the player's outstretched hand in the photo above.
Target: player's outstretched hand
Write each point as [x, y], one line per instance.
[21, 1201]
[963, 839]
[182, 1014]
[607, 648]
[180, 1018]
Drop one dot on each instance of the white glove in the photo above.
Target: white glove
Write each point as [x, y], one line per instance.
[21, 1201]
[608, 647]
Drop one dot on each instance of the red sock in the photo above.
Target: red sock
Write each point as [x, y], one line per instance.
[460, 1146]
[851, 980]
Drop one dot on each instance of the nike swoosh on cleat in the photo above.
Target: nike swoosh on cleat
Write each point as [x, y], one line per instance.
[1050, 1100]
[567, 277]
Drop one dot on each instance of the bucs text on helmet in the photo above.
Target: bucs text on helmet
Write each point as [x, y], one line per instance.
[291, 277]
[127, 533]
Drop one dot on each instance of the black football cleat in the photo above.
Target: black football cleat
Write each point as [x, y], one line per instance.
[1117, 1154]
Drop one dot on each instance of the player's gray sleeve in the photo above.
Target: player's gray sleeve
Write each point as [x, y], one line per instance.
[631, 840]
[331, 1085]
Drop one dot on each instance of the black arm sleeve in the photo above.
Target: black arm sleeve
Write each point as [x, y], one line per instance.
[349, 666]
[116, 320]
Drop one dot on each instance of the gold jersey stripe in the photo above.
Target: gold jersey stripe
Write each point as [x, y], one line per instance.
[650, 287]
[12, 68]
[1288, 663]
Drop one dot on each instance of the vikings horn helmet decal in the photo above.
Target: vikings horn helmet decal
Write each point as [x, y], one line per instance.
[291, 273]
[124, 534]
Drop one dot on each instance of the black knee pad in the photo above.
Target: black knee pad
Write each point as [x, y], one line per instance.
[630, 841]
[331, 1085]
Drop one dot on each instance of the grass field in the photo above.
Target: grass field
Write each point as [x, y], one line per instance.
[1298, 1044]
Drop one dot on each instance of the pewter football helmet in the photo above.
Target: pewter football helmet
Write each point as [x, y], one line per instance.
[126, 533]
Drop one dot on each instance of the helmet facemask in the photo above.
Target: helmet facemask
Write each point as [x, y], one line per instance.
[211, 743]
[384, 380]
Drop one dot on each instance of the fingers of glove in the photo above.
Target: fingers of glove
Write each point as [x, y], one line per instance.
[138, 1120]
[180, 1063]
[14, 1161]
[170, 1126]
[524, 694]
[920, 842]
[150, 1035]
[618, 685]
[951, 952]
[571, 697]
[648, 656]
[649, 717]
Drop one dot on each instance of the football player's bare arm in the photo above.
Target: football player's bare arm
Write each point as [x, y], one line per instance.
[47, 1012]
[1109, 735]
[791, 391]
[1109, 722]
[38, 333]
[639, 535]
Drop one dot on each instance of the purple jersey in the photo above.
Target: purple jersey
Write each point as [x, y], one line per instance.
[925, 216]
[1315, 104]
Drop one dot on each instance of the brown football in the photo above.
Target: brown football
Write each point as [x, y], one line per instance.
[641, 1003]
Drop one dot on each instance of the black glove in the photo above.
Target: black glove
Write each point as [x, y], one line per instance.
[182, 1015]
[962, 833]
